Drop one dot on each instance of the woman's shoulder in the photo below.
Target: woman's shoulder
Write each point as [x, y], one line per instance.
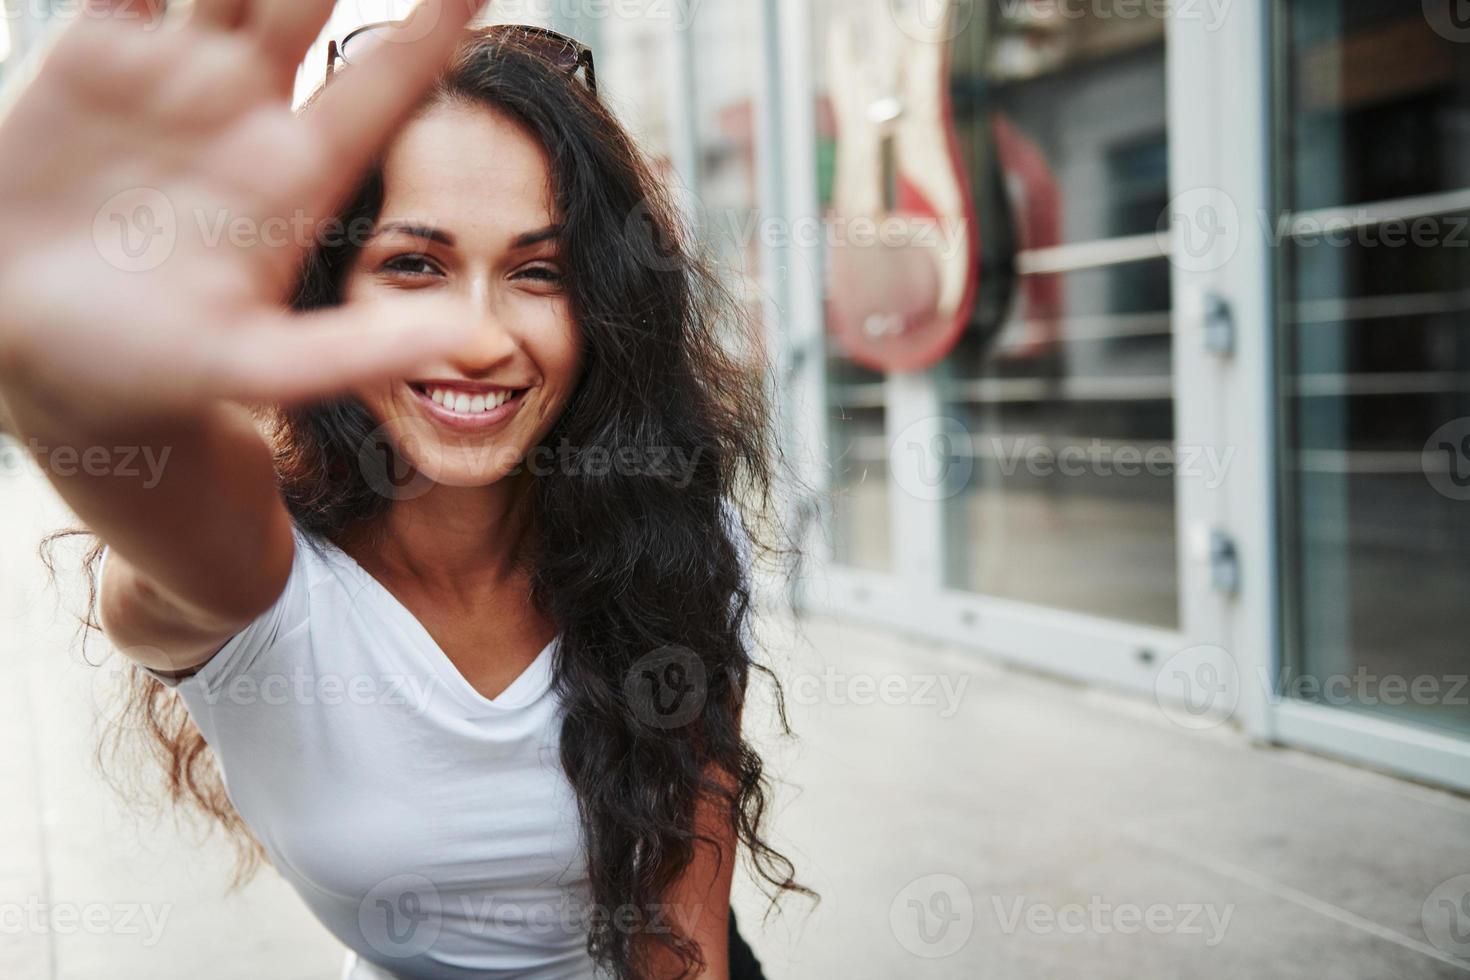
[315, 562]
[319, 557]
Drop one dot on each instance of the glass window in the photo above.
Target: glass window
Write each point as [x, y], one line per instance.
[1374, 387]
[727, 73]
[1029, 143]
[1062, 378]
[857, 447]
[858, 453]
[634, 52]
[1071, 499]
[727, 64]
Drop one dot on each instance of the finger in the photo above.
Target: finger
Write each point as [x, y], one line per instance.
[359, 111]
[287, 28]
[294, 357]
[222, 14]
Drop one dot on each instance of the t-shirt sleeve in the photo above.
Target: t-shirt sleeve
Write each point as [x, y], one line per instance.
[242, 650]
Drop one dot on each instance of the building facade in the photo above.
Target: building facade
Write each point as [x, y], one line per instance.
[1202, 430]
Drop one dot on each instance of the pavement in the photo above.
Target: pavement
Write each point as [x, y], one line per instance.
[958, 817]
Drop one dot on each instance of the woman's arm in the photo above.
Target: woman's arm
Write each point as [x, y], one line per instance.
[699, 903]
[200, 539]
[704, 893]
[131, 330]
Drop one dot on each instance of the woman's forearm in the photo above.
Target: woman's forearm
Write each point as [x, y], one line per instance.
[190, 502]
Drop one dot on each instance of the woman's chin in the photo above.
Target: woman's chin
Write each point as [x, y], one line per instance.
[466, 469]
[463, 478]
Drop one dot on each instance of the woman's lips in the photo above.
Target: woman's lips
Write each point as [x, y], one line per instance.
[468, 421]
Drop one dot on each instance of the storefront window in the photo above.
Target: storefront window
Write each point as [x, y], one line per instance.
[1028, 144]
[857, 444]
[1374, 388]
[726, 69]
[1062, 379]
[634, 51]
[858, 451]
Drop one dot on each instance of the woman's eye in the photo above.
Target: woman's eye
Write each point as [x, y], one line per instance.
[541, 273]
[415, 264]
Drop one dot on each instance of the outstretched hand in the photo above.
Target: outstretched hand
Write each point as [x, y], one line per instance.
[158, 193]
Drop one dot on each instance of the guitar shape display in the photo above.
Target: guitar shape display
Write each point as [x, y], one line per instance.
[904, 256]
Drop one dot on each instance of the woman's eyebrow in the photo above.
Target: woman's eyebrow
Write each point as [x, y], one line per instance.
[417, 231]
[537, 237]
[525, 240]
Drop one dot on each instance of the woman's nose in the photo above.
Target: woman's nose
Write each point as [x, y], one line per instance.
[492, 343]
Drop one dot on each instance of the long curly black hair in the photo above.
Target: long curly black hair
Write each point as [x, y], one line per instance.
[643, 569]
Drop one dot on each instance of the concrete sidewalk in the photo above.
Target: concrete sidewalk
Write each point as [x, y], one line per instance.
[959, 819]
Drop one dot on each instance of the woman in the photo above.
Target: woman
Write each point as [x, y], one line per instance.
[464, 623]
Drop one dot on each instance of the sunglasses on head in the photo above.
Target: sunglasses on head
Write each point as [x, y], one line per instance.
[566, 53]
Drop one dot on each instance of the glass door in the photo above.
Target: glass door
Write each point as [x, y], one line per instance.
[850, 40]
[1002, 395]
[1372, 264]
[1062, 386]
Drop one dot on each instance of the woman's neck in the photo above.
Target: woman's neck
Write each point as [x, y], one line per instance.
[453, 538]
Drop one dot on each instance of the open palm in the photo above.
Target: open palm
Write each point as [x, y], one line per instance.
[157, 195]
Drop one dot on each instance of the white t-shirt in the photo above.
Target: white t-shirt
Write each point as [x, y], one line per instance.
[431, 829]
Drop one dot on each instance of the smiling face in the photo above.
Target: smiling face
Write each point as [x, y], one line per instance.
[468, 211]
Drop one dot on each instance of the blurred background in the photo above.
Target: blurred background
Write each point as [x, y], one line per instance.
[1122, 353]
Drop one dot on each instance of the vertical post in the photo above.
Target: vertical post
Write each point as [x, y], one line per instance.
[771, 198]
[1219, 164]
[683, 101]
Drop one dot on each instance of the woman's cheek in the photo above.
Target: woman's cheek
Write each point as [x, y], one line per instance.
[568, 373]
[568, 347]
[355, 288]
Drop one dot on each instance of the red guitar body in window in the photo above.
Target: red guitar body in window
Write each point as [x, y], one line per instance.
[904, 248]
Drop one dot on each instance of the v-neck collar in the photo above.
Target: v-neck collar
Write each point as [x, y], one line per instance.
[527, 687]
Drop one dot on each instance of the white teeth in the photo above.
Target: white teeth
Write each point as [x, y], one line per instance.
[468, 404]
